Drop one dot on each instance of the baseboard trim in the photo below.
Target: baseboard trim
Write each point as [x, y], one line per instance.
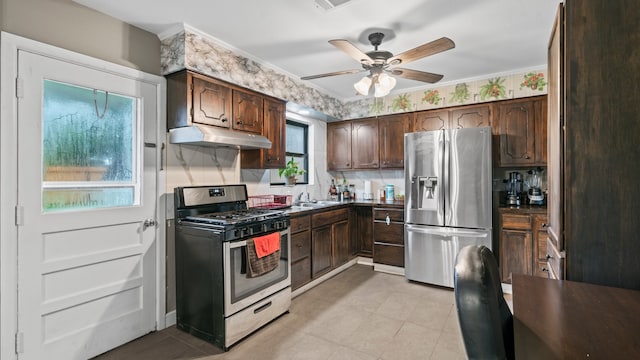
[170, 319]
[394, 270]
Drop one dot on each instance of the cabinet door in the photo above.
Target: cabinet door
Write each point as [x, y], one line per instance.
[339, 145]
[516, 253]
[275, 130]
[470, 117]
[541, 132]
[364, 144]
[321, 250]
[391, 140]
[431, 120]
[247, 111]
[340, 239]
[517, 131]
[365, 230]
[211, 102]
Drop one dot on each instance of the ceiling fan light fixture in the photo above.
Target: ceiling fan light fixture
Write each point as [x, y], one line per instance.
[383, 85]
[363, 86]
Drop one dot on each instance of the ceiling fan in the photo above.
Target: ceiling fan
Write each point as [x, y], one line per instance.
[380, 62]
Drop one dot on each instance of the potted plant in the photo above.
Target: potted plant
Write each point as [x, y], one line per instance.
[291, 171]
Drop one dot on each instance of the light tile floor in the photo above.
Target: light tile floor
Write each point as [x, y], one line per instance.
[358, 314]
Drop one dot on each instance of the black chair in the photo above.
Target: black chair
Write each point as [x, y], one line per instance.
[485, 319]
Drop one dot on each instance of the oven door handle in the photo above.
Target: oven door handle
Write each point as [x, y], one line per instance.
[237, 244]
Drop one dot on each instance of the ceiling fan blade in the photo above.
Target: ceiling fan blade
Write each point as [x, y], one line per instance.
[417, 75]
[423, 50]
[352, 51]
[343, 72]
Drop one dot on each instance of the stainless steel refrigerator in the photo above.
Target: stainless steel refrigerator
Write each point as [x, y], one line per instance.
[447, 201]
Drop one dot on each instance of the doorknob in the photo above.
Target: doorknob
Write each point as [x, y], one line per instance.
[148, 223]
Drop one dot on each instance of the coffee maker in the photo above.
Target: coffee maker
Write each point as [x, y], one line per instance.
[535, 194]
[514, 189]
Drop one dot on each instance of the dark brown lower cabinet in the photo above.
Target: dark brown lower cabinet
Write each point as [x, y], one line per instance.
[523, 243]
[300, 250]
[340, 238]
[388, 236]
[364, 230]
[516, 253]
[321, 250]
[329, 240]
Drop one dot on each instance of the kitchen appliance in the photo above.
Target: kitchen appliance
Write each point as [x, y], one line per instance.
[216, 299]
[514, 189]
[448, 199]
[535, 194]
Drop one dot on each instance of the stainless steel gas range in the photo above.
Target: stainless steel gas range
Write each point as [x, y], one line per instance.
[219, 295]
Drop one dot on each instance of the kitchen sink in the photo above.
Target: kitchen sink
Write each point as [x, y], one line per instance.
[328, 202]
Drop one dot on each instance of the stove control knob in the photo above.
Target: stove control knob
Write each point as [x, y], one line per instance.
[245, 231]
[237, 233]
[273, 224]
[264, 227]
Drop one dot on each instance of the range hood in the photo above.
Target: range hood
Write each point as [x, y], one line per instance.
[212, 136]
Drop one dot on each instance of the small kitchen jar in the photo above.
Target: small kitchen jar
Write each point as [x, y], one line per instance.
[390, 192]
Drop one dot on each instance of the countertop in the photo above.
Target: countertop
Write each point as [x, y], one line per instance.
[524, 209]
[294, 210]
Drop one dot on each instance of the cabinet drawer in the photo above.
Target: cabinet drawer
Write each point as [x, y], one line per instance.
[540, 222]
[300, 223]
[541, 244]
[388, 254]
[394, 214]
[300, 272]
[392, 233]
[541, 269]
[300, 245]
[329, 217]
[516, 221]
[555, 261]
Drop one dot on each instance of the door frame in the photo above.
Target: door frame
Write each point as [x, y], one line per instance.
[10, 44]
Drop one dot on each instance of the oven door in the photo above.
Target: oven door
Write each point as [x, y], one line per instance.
[241, 291]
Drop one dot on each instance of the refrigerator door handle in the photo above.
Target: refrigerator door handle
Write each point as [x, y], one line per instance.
[448, 232]
[446, 172]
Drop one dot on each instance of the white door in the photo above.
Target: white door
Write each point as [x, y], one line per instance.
[86, 186]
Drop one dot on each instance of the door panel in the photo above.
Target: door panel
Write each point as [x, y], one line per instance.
[469, 195]
[424, 177]
[430, 252]
[86, 259]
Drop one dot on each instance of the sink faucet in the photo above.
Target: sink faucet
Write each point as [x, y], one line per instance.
[303, 197]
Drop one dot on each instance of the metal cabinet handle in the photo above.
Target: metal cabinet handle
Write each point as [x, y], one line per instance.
[224, 119]
[544, 225]
[549, 257]
[527, 157]
[387, 220]
[239, 122]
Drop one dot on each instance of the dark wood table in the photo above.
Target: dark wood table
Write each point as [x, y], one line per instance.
[559, 319]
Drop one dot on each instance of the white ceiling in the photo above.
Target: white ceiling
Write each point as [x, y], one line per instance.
[492, 37]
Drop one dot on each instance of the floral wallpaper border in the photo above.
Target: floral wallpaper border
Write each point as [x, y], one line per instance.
[191, 50]
[525, 84]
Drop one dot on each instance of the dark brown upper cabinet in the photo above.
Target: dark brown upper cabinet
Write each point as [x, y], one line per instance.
[247, 111]
[522, 141]
[391, 140]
